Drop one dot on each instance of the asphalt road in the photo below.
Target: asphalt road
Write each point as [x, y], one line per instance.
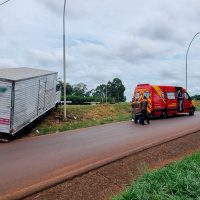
[27, 162]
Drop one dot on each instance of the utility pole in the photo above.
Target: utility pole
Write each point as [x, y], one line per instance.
[106, 93]
[64, 62]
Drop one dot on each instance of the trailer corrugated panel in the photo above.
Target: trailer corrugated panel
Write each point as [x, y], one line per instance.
[25, 94]
[41, 95]
[25, 102]
[5, 106]
[33, 97]
[50, 95]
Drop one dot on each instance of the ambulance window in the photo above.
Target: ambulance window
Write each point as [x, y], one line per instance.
[147, 94]
[171, 95]
[186, 95]
[137, 95]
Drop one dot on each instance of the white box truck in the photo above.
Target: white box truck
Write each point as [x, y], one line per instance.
[25, 94]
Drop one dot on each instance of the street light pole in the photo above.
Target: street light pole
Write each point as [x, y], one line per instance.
[64, 62]
[4, 2]
[106, 91]
[187, 56]
[106, 94]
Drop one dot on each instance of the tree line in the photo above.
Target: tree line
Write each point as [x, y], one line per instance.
[79, 94]
[196, 97]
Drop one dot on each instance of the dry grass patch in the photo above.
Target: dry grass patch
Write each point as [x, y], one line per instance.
[81, 116]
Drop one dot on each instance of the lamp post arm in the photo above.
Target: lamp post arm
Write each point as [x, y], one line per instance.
[4, 2]
[187, 55]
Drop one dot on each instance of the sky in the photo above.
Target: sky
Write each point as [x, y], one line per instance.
[138, 41]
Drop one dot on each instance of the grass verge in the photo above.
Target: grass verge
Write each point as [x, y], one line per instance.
[197, 105]
[178, 181]
[82, 116]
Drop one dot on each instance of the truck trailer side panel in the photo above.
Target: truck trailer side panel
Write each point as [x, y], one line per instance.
[25, 94]
[33, 97]
[25, 102]
[5, 106]
[50, 92]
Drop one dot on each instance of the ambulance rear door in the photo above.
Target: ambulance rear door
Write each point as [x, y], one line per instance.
[171, 102]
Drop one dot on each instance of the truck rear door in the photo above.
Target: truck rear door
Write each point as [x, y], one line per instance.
[5, 106]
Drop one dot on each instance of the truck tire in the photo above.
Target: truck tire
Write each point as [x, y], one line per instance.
[135, 119]
[164, 114]
[4, 138]
[191, 113]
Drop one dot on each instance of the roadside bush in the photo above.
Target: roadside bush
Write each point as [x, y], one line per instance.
[79, 100]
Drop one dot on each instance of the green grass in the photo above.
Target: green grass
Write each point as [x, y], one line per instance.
[197, 105]
[82, 116]
[178, 181]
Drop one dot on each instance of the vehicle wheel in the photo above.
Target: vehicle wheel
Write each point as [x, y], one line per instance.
[164, 115]
[191, 113]
[5, 138]
[135, 119]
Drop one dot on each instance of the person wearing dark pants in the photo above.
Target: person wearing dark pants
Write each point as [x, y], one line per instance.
[135, 110]
[145, 116]
[180, 101]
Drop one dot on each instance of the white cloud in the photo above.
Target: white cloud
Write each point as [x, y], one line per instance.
[135, 40]
[7, 63]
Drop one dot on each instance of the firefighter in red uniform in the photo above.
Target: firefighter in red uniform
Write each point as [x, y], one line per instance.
[144, 104]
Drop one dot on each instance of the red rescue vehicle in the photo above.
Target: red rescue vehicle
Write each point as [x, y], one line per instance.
[165, 100]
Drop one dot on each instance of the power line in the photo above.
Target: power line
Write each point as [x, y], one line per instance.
[4, 2]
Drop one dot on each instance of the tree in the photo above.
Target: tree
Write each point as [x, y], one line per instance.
[60, 86]
[196, 97]
[79, 89]
[79, 93]
[100, 92]
[117, 89]
[89, 93]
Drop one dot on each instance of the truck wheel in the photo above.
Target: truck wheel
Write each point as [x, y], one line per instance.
[164, 115]
[135, 119]
[191, 113]
[5, 138]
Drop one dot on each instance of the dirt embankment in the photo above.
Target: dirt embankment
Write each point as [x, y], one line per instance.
[81, 116]
[109, 180]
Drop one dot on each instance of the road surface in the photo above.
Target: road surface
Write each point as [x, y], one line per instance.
[25, 163]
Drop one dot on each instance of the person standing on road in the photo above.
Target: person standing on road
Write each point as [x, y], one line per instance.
[180, 101]
[144, 104]
[132, 103]
[135, 109]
